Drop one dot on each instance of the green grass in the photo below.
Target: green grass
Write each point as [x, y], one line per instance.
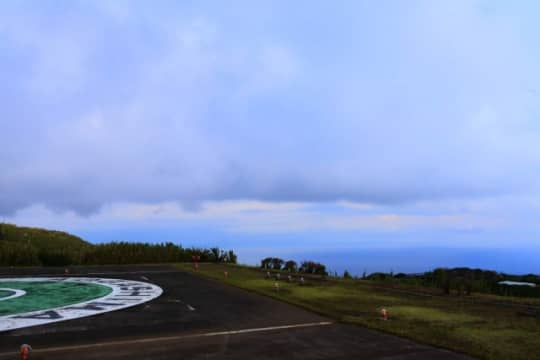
[49, 294]
[477, 325]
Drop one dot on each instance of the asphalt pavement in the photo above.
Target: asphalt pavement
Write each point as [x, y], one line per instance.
[196, 318]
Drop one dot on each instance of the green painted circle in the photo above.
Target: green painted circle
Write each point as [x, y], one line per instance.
[4, 293]
[41, 295]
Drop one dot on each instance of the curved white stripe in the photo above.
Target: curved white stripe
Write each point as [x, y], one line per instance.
[16, 295]
[125, 293]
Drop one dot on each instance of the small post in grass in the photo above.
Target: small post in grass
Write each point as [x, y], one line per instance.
[276, 286]
[195, 259]
[384, 314]
[226, 274]
[25, 351]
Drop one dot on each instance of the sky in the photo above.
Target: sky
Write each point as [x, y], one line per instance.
[332, 130]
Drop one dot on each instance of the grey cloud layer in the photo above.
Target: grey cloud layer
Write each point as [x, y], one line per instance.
[188, 104]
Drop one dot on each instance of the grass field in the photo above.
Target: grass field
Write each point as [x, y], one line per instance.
[487, 327]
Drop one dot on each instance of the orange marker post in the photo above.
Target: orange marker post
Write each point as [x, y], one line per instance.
[196, 259]
[25, 351]
[384, 314]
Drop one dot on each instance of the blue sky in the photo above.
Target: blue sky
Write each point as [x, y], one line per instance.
[275, 127]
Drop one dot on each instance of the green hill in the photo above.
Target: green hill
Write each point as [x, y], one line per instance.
[24, 246]
[34, 246]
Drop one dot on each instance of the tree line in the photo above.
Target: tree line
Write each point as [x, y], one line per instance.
[458, 281]
[465, 281]
[24, 246]
[307, 266]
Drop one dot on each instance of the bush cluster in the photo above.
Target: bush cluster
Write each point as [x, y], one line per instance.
[464, 281]
[308, 267]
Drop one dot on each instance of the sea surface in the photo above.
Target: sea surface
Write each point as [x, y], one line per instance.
[340, 252]
[417, 260]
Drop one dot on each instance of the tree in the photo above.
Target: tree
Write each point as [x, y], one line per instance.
[214, 252]
[231, 257]
[311, 267]
[291, 266]
[266, 263]
[277, 263]
[442, 280]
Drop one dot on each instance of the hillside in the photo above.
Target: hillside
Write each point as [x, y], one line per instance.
[41, 239]
[34, 246]
[24, 246]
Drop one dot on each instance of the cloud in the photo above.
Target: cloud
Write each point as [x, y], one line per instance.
[256, 217]
[185, 104]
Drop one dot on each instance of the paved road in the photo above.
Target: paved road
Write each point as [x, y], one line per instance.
[202, 319]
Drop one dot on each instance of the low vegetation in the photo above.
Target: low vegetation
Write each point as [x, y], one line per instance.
[485, 326]
[465, 281]
[24, 246]
[460, 281]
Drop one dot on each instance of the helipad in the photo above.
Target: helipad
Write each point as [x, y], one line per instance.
[36, 301]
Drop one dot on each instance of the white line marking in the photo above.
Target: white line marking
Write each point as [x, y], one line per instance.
[190, 308]
[16, 293]
[144, 278]
[178, 337]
